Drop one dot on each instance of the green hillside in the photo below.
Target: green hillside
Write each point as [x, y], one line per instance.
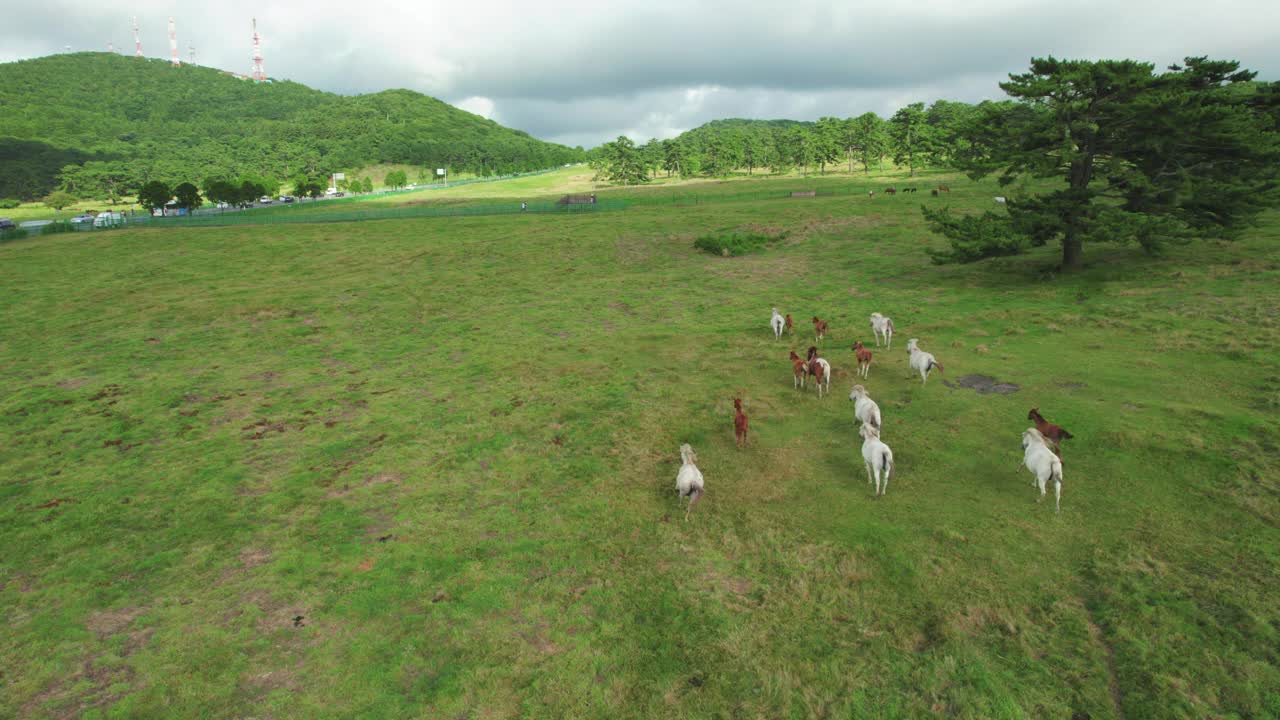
[134, 120]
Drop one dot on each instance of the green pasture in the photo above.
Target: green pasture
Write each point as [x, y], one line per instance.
[425, 468]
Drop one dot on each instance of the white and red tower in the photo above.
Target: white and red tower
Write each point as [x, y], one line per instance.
[137, 41]
[258, 73]
[173, 44]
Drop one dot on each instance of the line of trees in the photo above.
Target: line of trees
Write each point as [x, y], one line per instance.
[912, 138]
[156, 195]
[1142, 157]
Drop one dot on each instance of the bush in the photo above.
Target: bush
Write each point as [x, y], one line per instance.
[13, 234]
[57, 226]
[735, 243]
[9, 203]
[59, 199]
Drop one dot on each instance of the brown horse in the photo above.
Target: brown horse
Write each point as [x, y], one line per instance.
[739, 423]
[819, 328]
[799, 370]
[864, 358]
[1055, 433]
[943, 188]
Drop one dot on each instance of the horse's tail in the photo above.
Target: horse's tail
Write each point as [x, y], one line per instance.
[935, 364]
[875, 419]
[889, 323]
[886, 464]
[1066, 435]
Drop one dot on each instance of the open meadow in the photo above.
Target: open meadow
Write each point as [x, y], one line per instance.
[425, 468]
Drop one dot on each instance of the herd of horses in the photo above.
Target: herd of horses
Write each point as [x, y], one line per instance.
[1041, 444]
[894, 191]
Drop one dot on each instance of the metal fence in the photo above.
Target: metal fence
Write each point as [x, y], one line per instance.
[312, 214]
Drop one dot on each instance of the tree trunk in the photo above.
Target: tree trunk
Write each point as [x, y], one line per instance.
[1072, 251]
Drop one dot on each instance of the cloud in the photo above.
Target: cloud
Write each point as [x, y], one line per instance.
[584, 72]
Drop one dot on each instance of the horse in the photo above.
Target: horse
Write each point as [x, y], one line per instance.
[864, 359]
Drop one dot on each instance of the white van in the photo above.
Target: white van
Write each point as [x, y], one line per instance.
[108, 219]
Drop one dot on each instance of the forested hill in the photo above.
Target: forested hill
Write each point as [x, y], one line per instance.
[138, 119]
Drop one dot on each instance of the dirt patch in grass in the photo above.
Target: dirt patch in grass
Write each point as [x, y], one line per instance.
[378, 479]
[72, 383]
[253, 557]
[984, 385]
[105, 623]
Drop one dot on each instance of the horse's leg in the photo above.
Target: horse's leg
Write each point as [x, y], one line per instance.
[869, 480]
[1057, 496]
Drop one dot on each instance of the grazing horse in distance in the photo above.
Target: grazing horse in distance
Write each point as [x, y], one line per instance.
[739, 423]
[943, 188]
[791, 328]
[777, 323]
[890, 191]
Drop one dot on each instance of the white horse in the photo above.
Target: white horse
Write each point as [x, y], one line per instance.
[882, 326]
[865, 410]
[877, 456]
[921, 361]
[777, 322]
[1043, 464]
[689, 481]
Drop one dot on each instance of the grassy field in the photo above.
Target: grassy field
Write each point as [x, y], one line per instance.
[426, 469]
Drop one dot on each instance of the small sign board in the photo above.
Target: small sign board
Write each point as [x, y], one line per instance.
[339, 176]
[440, 171]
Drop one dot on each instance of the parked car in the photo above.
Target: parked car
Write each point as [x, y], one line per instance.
[7, 224]
[222, 206]
[265, 199]
[287, 198]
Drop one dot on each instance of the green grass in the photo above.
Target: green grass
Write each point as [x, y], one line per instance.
[450, 446]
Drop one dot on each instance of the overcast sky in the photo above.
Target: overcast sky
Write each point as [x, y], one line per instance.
[581, 73]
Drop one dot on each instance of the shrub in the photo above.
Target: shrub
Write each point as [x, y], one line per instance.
[57, 226]
[9, 203]
[735, 243]
[16, 233]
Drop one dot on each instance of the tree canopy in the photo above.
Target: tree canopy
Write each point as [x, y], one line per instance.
[621, 161]
[154, 194]
[1142, 157]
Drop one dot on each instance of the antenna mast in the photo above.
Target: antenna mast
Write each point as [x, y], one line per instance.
[258, 73]
[173, 44]
[137, 41]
